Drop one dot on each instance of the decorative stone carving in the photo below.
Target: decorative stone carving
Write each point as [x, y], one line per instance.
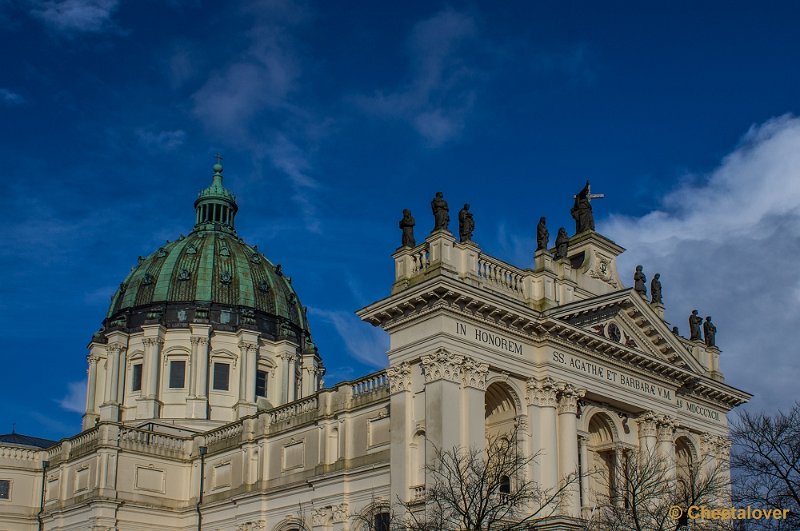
[665, 428]
[255, 258]
[250, 526]
[442, 365]
[147, 279]
[602, 269]
[162, 253]
[647, 424]
[466, 224]
[441, 212]
[655, 290]
[184, 274]
[263, 286]
[399, 377]
[694, 326]
[568, 396]
[152, 341]
[474, 373]
[542, 235]
[582, 210]
[116, 348]
[191, 249]
[542, 393]
[639, 280]
[225, 277]
[319, 517]
[562, 244]
[341, 513]
[710, 332]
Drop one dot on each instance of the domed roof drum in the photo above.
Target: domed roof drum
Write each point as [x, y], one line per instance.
[210, 276]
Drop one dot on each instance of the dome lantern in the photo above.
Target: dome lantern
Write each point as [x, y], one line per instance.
[215, 206]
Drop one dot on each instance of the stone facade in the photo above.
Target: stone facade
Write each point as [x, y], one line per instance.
[584, 368]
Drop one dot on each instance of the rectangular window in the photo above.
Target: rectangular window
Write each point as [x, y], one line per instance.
[5, 489]
[136, 378]
[261, 383]
[222, 372]
[177, 374]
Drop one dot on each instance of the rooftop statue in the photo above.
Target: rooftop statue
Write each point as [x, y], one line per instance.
[466, 224]
[407, 226]
[562, 244]
[694, 326]
[441, 213]
[582, 209]
[542, 235]
[655, 289]
[710, 332]
[639, 280]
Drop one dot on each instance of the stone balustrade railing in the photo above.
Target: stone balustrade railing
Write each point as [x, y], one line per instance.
[376, 382]
[500, 275]
[20, 453]
[224, 436]
[294, 409]
[154, 442]
[84, 443]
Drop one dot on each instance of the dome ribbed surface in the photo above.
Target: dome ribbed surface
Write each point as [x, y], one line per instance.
[209, 267]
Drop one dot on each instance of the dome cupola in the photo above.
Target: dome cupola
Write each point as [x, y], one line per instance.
[216, 206]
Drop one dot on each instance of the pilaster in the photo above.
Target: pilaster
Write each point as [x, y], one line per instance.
[665, 430]
[442, 371]
[568, 397]
[401, 428]
[542, 401]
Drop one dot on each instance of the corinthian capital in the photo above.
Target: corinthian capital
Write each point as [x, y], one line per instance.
[199, 340]
[542, 393]
[115, 348]
[153, 341]
[474, 373]
[647, 424]
[568, 396]
[399, 377]
[244, 346]
[665, 427]
[442, 365]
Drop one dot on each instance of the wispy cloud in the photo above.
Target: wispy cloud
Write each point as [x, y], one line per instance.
[441, 87]
[75, 16]
[161, 140]
[75, 399]
[364, 342]
[727, 244]
[256, 87]
[10, 98]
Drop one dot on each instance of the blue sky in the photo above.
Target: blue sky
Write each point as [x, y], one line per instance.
[334, 116]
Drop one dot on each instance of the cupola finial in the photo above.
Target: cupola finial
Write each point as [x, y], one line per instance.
[215, 205]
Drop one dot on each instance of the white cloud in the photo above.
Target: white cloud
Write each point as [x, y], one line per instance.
[10, 98]
[441, 89]
[363, 341]
[727, 243]
[75, 399]
[75, 16]
[161, 140]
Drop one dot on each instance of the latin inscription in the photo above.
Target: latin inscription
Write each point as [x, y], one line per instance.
[488, 338]
[600, 372]
[698, 410]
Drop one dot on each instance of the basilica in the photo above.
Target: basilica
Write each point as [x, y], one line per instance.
[206, 407]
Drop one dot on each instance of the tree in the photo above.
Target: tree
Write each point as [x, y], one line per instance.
[646, 488]
[475, 489]
[766, 465]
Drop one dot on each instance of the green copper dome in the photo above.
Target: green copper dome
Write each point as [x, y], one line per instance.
[210, 276]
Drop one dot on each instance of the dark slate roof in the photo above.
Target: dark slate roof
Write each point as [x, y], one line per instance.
[26, 440]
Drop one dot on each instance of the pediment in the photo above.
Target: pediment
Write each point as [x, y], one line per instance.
[626, 318]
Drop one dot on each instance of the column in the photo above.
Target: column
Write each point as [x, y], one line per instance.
[442, 371]
[402, 432]
[541, 397]
[620, 475]
[197, 402]
[91, 393]
[247, 379]
[148, 406]
[109, 410]
[568, 398]
[291, 386]
[665, 429]
[583, 449]
[474, 384]
[647, 437]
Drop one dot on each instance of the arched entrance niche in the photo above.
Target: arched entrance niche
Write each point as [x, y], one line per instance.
[501, 410]
[685, 462]
[602, 459]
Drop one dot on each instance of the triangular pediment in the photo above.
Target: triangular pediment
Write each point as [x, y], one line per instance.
[625, 317]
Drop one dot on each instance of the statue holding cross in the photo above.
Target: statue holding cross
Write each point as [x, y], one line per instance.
[582, 209]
